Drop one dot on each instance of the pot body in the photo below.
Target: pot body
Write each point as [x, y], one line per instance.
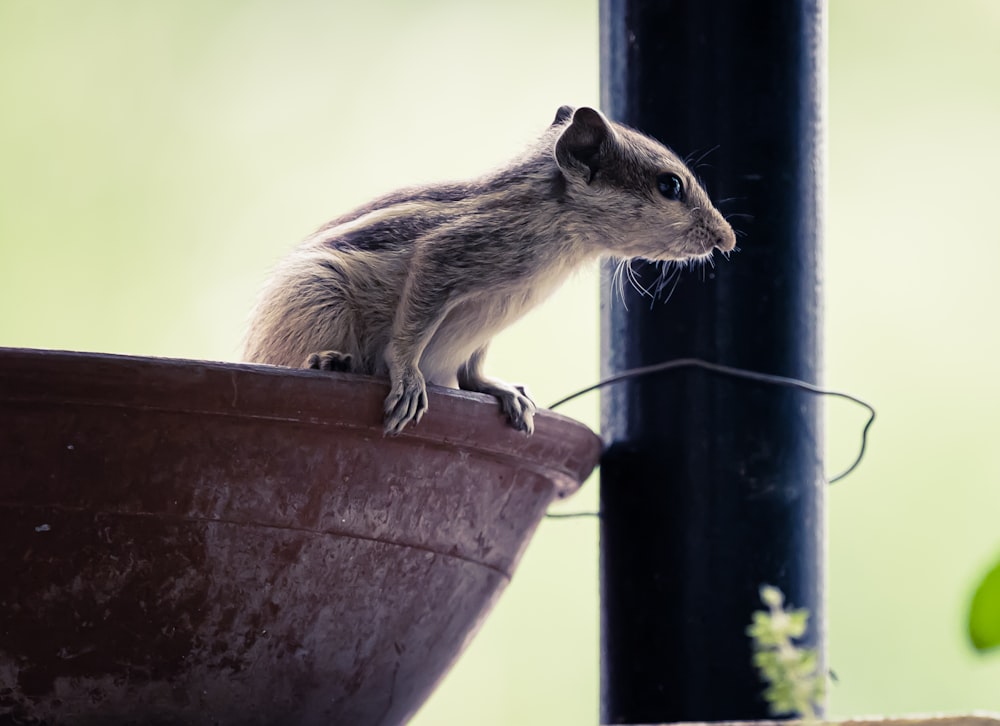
[208, 543]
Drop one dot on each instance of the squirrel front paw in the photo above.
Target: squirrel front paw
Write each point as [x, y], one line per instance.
[515, 402]
[407, 401]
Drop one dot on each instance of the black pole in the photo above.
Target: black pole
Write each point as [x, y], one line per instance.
[712, 486]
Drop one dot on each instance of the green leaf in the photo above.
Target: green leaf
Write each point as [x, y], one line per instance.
[797, 622]
[771, 596]
[984, 615]
[760, 628]
[810, 661]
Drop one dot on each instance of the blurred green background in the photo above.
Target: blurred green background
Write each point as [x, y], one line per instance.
[156, 159]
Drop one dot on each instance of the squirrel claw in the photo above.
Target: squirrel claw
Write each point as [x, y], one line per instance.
[330, 360]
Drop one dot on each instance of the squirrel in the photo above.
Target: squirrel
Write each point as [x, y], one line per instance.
[414, 285]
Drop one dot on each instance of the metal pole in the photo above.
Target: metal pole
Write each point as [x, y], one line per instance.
[712, 486]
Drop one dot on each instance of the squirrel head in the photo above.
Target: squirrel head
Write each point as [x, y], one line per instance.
[643, 197]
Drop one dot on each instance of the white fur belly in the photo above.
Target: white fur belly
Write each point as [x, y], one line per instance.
[467, 328]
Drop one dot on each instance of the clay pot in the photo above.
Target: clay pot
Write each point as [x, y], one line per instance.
[206, 543]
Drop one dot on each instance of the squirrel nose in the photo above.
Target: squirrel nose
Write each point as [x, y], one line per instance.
[726, 240]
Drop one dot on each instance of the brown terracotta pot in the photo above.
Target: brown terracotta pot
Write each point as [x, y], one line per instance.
[207, 543]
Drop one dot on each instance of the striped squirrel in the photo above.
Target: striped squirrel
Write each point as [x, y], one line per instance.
[415, 284]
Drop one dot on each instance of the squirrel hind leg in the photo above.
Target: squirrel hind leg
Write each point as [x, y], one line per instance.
[330, 360]
[516, 404]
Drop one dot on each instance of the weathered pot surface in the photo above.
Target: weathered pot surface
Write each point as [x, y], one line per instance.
[208, 543]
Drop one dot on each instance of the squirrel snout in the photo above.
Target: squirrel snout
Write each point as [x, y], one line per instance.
[725, 241]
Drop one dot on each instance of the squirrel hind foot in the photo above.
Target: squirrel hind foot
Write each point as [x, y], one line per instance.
[330, 360]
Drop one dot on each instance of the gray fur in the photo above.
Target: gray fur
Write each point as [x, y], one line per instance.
[415, 284]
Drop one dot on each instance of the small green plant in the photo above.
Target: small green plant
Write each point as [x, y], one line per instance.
[795, 684]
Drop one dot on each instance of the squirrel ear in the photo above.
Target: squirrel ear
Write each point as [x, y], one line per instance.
[580, 147]
[562, 115]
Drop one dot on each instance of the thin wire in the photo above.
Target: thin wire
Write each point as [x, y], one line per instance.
[734, 373]
[571, 515]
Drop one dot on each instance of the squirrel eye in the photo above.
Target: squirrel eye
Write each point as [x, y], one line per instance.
[670, 186]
